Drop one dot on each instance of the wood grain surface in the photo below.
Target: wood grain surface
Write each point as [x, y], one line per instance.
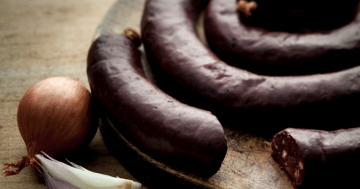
[41, 39]
[248, 162]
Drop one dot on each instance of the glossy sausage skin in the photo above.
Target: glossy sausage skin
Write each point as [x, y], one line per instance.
[307, 155]
[188, 70]
[187, 138]
[268, 52]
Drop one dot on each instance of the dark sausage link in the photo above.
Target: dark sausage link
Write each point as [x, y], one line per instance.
[263, 51]
[194, 74]
[188, 138]
[307, 154]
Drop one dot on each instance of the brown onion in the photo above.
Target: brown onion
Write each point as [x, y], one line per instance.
[56, 116]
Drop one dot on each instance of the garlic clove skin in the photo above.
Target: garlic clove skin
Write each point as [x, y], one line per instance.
[53, 183]
[79, 177]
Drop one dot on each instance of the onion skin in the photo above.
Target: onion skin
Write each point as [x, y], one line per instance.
[56, 115]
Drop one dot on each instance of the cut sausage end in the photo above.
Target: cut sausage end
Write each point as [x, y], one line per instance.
[286, 151]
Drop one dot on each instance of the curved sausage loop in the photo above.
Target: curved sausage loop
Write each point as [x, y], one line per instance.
[262, 51]
[194, 74]
[187, 138]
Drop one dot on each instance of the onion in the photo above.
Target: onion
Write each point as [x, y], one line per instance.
[56, 116]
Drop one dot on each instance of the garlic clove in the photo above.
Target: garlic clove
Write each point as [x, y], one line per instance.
[76, 165]
[82, 178]
[53, 183]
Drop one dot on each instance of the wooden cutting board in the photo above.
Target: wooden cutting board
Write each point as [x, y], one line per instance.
[247, 164]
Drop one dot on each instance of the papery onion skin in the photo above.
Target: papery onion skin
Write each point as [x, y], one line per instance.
[57, 115]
